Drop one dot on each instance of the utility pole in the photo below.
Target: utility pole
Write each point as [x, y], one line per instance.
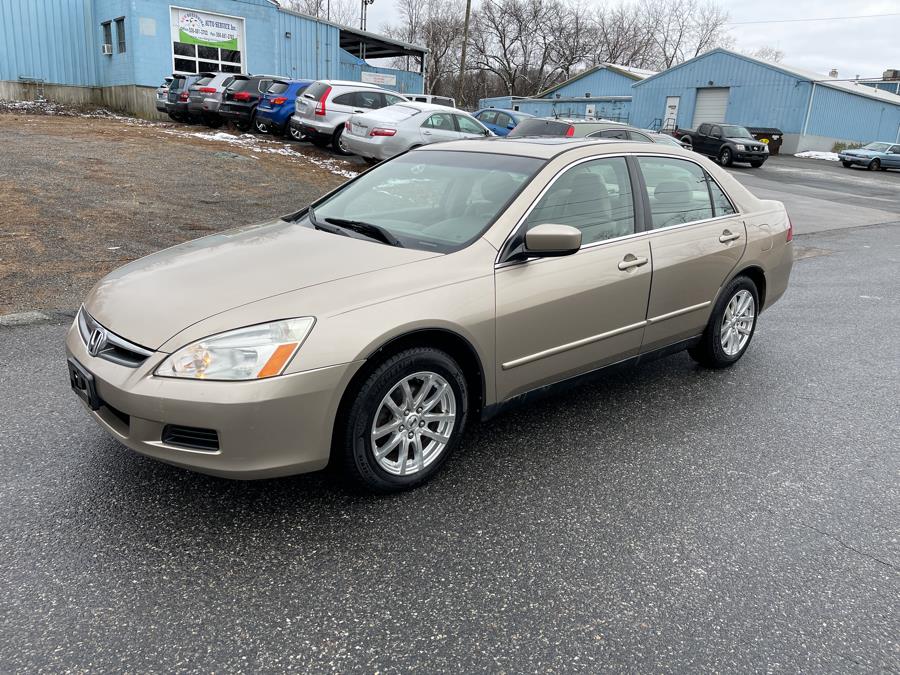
[462, 56]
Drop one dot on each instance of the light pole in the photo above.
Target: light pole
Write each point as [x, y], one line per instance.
[462, 56]
[362, 14]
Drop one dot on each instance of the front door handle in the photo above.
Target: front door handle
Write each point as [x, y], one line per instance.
[728, 236]
[630, 262]
[426, 133]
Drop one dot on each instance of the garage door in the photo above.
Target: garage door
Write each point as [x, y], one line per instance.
[710, 106]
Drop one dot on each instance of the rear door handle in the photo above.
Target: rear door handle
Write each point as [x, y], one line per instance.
[631, 262]
[728, 236]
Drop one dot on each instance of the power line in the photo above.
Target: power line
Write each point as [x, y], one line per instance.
[826, 18]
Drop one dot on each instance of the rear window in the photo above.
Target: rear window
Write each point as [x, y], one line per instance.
[177, 83]
[239, 84]
[204, 80]
[538, 127]
[316, 90]
[278, 88]
[440, 100]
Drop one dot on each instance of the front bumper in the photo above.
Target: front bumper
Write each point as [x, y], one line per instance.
[750, 156]
[273, 427]
[854, 159]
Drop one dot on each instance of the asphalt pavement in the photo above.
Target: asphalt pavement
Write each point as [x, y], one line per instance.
[821, 195]
[668, 518]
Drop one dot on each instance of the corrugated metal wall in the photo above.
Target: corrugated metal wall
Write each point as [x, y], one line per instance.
[759, 96]
[840, 115]
[603, 82]
[312, 52]
[408, 82]
[50, 40]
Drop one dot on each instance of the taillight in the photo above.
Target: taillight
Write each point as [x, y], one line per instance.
[320, 106]
[207, 90]
[242, 96]
[279, 100]
[378, 131]
[790, 231]
[183, 96]
[570, 131]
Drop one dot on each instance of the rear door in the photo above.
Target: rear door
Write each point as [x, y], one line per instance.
[697, 238]
[439, 127]
[560, 317]
[489, 119]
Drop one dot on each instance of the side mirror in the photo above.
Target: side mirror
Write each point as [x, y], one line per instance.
[551, 240]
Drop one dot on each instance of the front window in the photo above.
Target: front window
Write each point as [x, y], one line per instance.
[731, 131]
[877, 147]
[435, 200]
[469, 126]
[594, 197]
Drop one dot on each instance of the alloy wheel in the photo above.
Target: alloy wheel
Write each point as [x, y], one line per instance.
[296, 134]
[413, 423]
[737, 322]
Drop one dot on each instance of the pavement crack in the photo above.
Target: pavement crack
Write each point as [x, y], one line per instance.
[847, 546]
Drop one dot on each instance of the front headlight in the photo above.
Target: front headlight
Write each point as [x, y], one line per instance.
[247, 353]
[741, 147]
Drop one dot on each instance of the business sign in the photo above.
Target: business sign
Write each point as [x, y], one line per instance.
[210, 30]
[378, 78]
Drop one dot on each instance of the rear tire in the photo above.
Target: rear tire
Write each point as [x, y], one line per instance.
[212, 121]
[380, 402]
[731, 325]
[337, 142]
[175, 117]
[260, 127]
[725, 157]
[295, 134]
[243, 127]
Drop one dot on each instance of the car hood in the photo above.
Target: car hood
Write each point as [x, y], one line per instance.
[153, 298]
[859, 152]
[743, 140]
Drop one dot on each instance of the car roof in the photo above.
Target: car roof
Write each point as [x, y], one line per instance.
[350, 83]
[425, 107]
[508, 111]
[547, 147]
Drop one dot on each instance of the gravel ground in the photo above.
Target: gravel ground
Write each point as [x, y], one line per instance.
[82, 195]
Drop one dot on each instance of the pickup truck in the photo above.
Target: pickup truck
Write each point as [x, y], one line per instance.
[728, 143]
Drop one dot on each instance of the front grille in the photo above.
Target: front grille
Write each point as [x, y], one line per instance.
[113, 348]
[206, 440]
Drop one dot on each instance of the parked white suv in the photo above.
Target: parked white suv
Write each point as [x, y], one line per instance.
[325, 105]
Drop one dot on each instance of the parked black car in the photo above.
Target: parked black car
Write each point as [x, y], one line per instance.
[241, 98]
[728, 143]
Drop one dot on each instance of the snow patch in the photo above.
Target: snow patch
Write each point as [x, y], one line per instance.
[815, 154]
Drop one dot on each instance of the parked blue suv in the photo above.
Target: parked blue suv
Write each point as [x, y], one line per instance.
[499, 120]
[273, 116]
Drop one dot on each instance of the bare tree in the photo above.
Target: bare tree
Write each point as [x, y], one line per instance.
[767, 53]
[683, 29]
[345, 12]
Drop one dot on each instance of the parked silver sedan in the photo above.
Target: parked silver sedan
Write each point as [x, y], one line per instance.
[387, 132]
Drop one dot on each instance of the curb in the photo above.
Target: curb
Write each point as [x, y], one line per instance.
[35, 317]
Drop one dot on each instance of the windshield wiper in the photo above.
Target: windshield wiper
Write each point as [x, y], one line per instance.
[311, 214]
[368, 229]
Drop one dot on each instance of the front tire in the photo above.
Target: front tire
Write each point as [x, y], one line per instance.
[404, 421]
[874, 165]
[756, 165]
[847, 165]
[731, 325]
[725, 157]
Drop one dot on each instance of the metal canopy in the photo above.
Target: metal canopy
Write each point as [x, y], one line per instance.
[365, 45]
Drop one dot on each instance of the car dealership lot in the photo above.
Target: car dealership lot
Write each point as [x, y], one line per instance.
[665, 518]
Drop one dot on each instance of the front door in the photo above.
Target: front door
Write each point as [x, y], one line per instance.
[439, 127]
[559, 317]
[670, 118]
[696, 242]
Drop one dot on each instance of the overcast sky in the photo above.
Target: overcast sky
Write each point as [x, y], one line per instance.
[864, 47]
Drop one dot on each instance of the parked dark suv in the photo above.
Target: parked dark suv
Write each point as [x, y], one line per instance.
[177, 97]
[241, 98]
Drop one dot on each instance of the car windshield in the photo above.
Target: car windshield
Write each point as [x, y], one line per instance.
[877, 147]
[730, 131]
[432, 200]
[665, 139]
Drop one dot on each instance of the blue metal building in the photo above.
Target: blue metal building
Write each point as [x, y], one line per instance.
[116, 52]
[602, 91]
[813, 111]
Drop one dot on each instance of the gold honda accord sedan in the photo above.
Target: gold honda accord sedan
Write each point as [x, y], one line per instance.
[369, 328]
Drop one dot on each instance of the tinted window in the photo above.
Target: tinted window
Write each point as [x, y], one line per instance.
[278, 88]
[635, 136]
[539, 127]
[703, 129]
[203, 81]
[186, 65]
[391, 99]
[369, 99]
[436, 200]
[184, 49]
[488, 117]
[721, 205]
[594, 196]
[468, 126]
[239, 84]
[612, 133]
[345, 99]
[443, 121]
[207, 52]
[316, 90]
[677, 189]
